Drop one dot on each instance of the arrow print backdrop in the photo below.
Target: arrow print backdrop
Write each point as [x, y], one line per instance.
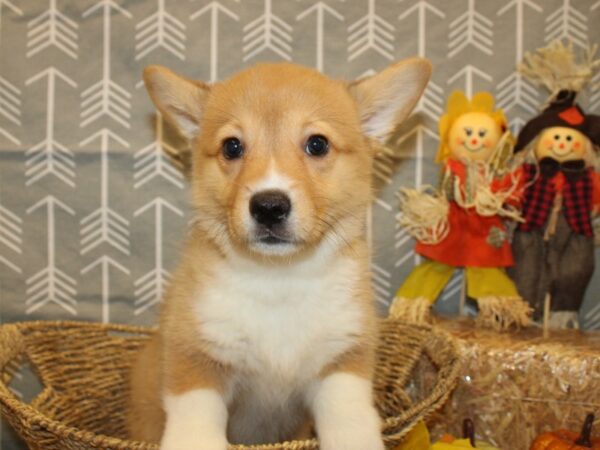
[92, 195]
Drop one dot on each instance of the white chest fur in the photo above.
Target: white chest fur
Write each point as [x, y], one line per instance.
[286, 322]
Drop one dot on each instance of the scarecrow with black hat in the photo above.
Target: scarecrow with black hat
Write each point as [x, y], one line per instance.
[554, 247]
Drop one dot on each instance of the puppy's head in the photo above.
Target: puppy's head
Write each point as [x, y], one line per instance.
[281, 154]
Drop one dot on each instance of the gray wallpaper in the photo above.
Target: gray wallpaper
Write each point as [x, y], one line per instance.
[92, 186]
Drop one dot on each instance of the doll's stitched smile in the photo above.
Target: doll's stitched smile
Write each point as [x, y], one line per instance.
[559, 154]
[472, 149]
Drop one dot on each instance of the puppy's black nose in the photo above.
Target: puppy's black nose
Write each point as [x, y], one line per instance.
[270, 207]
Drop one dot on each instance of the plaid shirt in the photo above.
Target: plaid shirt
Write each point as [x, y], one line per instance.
[539, 198]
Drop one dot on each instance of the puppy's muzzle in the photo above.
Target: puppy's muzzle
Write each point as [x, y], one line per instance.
[270, 208]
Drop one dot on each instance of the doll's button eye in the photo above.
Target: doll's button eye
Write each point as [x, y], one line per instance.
[469, 131]
[482, 132]
[556, 137]
[569, 138]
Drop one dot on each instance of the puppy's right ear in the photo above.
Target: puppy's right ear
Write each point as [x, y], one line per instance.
[179, 99]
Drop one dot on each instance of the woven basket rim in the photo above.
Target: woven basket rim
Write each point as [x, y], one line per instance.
[27, 413]
[36, 417]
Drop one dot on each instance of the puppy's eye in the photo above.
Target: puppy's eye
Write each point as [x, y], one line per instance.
[469, 131]
[482, 132]
[317, 145]
[232, 148]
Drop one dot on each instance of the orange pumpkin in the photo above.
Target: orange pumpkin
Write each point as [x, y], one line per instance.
[568, 440]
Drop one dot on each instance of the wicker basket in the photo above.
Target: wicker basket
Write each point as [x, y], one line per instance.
[83, 368]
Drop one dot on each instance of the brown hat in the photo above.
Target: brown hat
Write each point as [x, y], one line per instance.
[562, 112]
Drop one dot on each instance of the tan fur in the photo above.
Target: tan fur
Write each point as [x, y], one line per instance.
[272, 108]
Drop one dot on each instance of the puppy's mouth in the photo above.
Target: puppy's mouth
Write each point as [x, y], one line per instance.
[273, 242]
[271, 238]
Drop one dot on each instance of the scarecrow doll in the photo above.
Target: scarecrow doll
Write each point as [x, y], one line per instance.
[462, 224]
[554, 246]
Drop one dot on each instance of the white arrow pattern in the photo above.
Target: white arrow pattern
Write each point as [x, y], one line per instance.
[149, 288]
[419, 133]
[52, 27]
[421, 8]
[105, 263]
[104, 225]
[158, 159]
[320, 10]
[10, 95]
[160, 30]
[382, 283]
[517, 92]
[212, 10]
[431, 103]
[50, 157]
[267, 32]
[10, 229]
[514, 91]
[383, 165]
[453, 287]
[470, 28]
[371, 32]
[403, 242]
[405, 249]
[106, 97]
[567, 22]
[519, 7]
[10, 107]
[12, 7]
[469, 72]
[11, 236]
[51, 284]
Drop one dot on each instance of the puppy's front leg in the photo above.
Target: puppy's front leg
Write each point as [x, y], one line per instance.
[345, 417]
[196, 420]
[196, 411]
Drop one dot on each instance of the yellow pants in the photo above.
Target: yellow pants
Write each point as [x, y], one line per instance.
[429, 278]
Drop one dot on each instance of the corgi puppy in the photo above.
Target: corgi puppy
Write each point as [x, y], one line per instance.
[268, 329]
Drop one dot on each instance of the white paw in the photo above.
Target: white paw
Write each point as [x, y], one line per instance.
[345, 417]
[196, 420]
[361, 432]
[193, 442]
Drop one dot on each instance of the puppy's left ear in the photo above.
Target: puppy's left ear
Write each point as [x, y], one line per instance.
[180, 100]
[385, 99]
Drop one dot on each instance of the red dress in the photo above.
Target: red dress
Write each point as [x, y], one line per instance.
[473, 240]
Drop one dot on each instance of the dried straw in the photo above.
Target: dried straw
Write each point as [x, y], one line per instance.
[413, 310]
[503, 313]
[424, 214]
[556, 68]
[518, 385]
[480, 195]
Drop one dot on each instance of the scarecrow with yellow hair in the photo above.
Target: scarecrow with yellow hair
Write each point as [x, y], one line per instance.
[462, 224]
